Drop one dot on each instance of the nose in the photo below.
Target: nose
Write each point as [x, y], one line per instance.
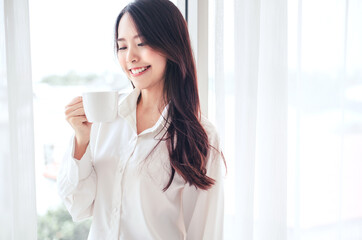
[132, 55]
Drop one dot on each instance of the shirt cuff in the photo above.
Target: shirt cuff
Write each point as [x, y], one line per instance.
[79, 169]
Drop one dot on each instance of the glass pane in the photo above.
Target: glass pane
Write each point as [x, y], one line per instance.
[72, 51]
[325, 121]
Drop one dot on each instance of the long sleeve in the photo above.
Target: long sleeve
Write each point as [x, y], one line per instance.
[77, 183]
[204, 209]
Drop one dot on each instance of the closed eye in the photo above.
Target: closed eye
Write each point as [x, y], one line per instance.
[122, 48]
[141, 44]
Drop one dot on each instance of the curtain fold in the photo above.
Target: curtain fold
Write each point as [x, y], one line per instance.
[293, 99]
[17, 184]
[271, 123]
[246, 73]
[258, 100]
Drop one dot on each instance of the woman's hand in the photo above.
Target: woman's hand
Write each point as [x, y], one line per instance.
[74, 114]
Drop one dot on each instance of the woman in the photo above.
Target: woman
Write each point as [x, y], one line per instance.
[155, 172]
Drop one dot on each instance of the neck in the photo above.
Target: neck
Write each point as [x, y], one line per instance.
[151, 99]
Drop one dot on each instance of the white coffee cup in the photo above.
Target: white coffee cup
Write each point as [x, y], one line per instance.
[100, 106]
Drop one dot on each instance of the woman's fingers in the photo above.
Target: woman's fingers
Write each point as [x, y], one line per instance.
[78, 120]
[73, 112]
[75, 101]
[70, 108]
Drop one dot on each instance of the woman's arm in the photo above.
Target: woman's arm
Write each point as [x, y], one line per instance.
[77, 183]
[77, 179]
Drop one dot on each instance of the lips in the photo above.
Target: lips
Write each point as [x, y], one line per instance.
[139, 70]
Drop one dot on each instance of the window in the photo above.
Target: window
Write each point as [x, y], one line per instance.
[72, 51]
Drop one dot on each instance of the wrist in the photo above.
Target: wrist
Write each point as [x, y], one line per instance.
[80, 147]
[81, 141]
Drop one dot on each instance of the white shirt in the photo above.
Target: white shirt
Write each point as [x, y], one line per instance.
[122, 191]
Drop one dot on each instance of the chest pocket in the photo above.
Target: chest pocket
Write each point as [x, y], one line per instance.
[157, 168]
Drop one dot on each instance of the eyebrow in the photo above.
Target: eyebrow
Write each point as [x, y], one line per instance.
[123, 39]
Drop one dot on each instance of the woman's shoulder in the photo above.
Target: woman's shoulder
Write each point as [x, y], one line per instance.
[211, 131]
[214, 143]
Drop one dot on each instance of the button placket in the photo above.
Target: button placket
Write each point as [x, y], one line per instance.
[132, 148]
[117, 210]
[117, 203]
[121, 169]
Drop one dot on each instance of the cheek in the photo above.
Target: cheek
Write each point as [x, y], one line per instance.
[162, 64]
[158, 60]
[152, 55]
[122, 62]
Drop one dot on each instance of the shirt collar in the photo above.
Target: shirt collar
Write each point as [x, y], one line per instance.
[160, 122]
[127, 110]
[128, 102]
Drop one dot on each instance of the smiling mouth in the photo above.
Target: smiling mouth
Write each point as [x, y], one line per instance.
[139, 71]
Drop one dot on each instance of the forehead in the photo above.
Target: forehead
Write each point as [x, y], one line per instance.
[127, 27]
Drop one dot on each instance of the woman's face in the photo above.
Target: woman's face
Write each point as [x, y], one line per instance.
[143, 66]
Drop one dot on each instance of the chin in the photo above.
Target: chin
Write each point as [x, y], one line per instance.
[144, 84]
[139, 86]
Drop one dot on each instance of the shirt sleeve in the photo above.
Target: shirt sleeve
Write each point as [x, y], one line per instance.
[77, 182]
[204, 209]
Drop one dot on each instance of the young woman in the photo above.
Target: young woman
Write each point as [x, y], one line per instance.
[157, 171]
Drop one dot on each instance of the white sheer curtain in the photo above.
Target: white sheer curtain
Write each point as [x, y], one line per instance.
[285, 93]
[17, 188]
[249, 89]
[325, 119]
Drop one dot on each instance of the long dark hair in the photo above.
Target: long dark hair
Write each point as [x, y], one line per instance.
[165, 30]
